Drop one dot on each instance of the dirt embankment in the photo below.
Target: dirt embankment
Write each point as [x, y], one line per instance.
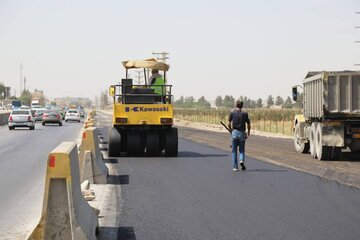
[279, 150]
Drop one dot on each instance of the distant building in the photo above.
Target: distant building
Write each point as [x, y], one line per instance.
[7, 92]
[38, 94]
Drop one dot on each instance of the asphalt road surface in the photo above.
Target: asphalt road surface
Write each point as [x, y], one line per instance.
[198, 196]
[23, 157]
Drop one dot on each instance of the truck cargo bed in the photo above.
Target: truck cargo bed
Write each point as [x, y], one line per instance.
[332, 95]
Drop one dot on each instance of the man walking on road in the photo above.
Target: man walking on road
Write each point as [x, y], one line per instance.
[237, 121]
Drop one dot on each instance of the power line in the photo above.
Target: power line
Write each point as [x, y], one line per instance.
[161, 56]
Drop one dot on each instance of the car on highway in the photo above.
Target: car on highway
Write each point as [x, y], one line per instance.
[51, 116]
[72, 115]
[62, 113]
[38, 114]
[24, 107]
[21, 118]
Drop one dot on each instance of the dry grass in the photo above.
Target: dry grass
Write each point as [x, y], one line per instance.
[263, 119]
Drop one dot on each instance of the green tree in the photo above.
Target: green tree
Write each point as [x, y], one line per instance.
[279, 101]
[288, 103]
[180, 103]
[25, 98]
[259, 103]
[229, 101]
[189, 102]
[218, 101]
[203, 103]
[270, 101]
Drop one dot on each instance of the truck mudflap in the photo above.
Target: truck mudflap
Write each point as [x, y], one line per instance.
[333, 135]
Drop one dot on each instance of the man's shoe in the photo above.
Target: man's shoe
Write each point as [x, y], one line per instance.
[242, 166]
[235, 169]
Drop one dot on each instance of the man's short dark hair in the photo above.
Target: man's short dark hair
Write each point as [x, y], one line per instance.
[239, 104]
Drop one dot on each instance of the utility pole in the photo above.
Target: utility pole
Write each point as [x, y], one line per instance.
[357, 41]
[24, 83]
[21, 79]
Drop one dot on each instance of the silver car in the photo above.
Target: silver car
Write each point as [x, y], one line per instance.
[38, 114]
[21, 118]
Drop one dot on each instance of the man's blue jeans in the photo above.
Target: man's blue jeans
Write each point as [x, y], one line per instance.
[238, 141]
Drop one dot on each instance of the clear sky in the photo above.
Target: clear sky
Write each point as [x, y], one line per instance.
[235, 47]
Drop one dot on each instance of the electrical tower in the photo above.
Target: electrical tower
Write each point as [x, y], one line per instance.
[139, 75]
[161, 56]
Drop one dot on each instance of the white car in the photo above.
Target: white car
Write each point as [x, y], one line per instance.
[72, 115]
[21, 118]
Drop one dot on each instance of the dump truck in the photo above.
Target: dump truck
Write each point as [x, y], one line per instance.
[143, 119]
[330, 120]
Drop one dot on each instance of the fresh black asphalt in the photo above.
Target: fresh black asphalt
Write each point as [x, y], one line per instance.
[198, 196]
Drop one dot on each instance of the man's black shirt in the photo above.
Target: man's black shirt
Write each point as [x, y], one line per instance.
[238, 119]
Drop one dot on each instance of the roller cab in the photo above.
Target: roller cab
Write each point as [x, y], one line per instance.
[143, 115]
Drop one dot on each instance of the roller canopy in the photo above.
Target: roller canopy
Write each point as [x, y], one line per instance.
[148, 63]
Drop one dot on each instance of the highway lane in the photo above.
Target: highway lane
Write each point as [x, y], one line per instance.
[23, 156]
[197, 196]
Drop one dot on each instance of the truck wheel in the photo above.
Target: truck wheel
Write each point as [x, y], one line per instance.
[300, 146]
[313, 139]
[322, 152]
[114, 149]
[152, 144]
[171, 142]
[135, 146]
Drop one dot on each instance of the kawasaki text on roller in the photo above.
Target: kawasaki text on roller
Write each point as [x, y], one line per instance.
[146, 109]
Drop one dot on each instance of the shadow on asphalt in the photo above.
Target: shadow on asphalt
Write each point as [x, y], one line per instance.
[349, 156]
[110, 160]
[123, 233]
[195, 154]
[26, 129]
[265, 170]
[345, 156]
[126, 233]
[118, 179]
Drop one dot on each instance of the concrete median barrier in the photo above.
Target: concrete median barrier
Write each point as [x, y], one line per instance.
[92, 163]
[89, 123]
[65, 214]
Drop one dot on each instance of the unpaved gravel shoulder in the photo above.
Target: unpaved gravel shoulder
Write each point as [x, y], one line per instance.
[278, 150]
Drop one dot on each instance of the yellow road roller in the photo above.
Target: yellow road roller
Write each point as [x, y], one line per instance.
[143, 117]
